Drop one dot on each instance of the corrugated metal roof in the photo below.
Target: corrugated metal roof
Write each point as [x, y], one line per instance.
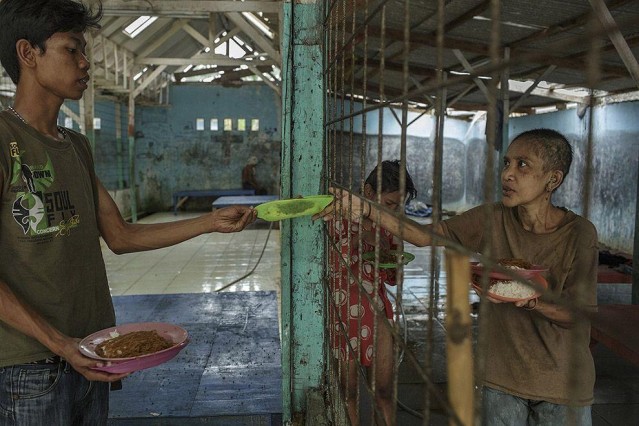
[538, 35]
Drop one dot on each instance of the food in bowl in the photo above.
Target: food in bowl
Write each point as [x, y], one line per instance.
[515, 264]
[391, 257]
[136, 343]
[511, 289]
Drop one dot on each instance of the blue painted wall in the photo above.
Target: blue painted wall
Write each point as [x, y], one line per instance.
[419, 147]
[614, 168]
[111, 155]
[171, 154]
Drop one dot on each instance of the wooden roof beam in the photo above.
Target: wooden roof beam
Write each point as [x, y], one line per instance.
[617, 39]
[203, 59]
[575, 22]
[187, 8]
[256, 36]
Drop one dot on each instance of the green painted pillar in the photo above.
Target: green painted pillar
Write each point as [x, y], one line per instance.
[302, 240]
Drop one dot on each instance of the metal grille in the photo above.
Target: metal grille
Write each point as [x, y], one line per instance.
[399, 74]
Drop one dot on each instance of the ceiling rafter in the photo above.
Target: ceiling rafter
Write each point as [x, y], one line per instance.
[256, 36]
[111, 71]
[201, 59]
[483, 50]
[199, 8]
[197, 36]
[185, 13]
[569, 24]
[268, 82]
[617, 39]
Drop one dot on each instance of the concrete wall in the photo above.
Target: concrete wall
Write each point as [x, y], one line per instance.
[615, 169]
[614, 175]
[111, 155]
[420, 153]
[171, 154]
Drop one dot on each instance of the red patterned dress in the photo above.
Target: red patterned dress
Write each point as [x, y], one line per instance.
[349, 302]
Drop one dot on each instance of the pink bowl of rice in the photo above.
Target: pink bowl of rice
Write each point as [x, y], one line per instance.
[511, 290]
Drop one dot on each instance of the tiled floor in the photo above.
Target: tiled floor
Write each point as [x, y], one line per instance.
[210, 262]
[230, 372]
[203, 264]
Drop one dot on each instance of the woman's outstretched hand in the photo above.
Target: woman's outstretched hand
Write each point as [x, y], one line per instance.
[343, 199]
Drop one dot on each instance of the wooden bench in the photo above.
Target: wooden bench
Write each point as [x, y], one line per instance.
[243, 200]
[615, 326]
[180, 197]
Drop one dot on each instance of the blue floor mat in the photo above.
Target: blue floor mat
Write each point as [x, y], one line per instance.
[230, 369]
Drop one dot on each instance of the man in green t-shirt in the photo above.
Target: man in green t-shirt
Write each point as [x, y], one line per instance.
[53, 211]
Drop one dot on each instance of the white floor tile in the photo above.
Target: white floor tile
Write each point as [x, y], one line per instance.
[203, 264]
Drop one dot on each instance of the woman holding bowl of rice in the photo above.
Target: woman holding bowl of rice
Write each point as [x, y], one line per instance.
[538, 365]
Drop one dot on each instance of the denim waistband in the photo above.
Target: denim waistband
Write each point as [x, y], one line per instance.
[55, 359]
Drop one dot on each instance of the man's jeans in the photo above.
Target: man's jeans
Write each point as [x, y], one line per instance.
[51, 394]
[502, 409]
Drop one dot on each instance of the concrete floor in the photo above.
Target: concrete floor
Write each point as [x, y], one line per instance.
[214, 261]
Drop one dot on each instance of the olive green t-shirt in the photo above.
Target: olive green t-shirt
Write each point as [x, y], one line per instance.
[49, 237]
[528, 355]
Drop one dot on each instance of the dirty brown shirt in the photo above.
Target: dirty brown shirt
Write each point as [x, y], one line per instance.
[527, 354]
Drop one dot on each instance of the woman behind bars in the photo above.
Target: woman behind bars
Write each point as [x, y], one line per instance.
[539, 369]
[357, 288]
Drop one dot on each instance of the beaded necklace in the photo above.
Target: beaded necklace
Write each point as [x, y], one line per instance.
[62, 130]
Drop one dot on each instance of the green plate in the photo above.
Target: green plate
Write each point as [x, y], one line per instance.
[293, 207]
[406, 258]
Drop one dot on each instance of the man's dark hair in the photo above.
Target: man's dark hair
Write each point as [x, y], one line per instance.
[551, 146]
[390, 179]
[36, 21]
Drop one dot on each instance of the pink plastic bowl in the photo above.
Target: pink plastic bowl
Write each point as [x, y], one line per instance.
[174, 333]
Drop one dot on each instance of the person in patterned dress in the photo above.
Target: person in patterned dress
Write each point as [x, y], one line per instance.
[360, 306]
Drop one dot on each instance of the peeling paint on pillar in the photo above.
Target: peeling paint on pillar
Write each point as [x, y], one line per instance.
[302, 240]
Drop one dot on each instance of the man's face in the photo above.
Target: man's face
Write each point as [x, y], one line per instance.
[63, 68]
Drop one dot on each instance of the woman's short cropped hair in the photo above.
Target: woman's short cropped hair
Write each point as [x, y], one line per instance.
[551, 146]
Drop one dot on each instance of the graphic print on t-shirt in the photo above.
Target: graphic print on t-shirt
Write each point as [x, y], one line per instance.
[37, 211]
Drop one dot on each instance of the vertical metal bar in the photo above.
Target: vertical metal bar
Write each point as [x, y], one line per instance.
[88, 105]
[635, 256]
[433, 292]
[131, 134]
[459, 349]
[505, 108]
[333, 377]
[396, 357]
[288, 48]
[490, 182]
[377, 319]
[118, 144]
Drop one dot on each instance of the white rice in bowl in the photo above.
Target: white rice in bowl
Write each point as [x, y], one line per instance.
[511, 289]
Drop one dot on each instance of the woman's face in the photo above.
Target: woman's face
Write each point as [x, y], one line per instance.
[391, 200]
[523, 179]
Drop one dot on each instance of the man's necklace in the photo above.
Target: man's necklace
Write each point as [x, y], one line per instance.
[62, 130]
